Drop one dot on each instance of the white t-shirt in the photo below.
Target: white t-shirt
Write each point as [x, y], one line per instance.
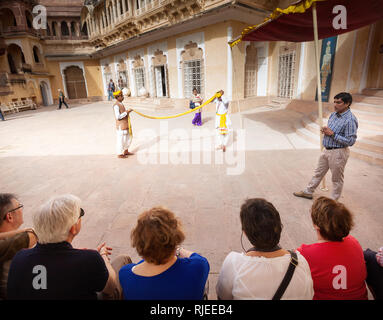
[258, 278]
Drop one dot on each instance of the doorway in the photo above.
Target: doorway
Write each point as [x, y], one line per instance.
[160, 79]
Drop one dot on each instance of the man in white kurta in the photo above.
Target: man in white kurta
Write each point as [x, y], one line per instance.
[222, 121]
[123, 126]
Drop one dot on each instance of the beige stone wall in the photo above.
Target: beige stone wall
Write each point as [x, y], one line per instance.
[238, 57]
[216, 58]
[56, 80]
[359, 57]
[309, 80]
[172, 67]
[93, 78]
[375, 76]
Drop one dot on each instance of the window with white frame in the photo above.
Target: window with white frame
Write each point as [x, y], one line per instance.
[286, 75]
[139, 77]
[193, 77]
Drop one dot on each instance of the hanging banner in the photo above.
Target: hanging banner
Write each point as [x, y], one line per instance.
[326, 66]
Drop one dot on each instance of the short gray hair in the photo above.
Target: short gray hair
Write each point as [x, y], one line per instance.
[55, 218]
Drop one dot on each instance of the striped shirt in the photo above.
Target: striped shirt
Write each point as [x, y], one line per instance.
[344, 126]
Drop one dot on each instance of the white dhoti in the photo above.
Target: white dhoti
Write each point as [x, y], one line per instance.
[222, 125]
[124, 139]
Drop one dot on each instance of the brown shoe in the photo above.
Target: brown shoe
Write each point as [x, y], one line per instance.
[303, 195]
[121, 156]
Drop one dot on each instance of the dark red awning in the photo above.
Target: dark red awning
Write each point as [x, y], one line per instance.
[298, 27]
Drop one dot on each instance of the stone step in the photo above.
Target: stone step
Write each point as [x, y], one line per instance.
[359, 98]
[362, 122]
[359, 150]
[362, 132]
[373, 92]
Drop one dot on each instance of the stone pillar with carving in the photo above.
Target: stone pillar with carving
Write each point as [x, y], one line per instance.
[123, 6]
[119, 9]
[103, 18]
[114, 11]
[58, 31]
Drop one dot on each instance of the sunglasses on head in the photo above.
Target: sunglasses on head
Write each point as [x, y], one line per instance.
[82, 212]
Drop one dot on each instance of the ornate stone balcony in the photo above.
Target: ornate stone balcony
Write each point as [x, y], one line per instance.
[16, 78]
[16, 30]
[5, 89]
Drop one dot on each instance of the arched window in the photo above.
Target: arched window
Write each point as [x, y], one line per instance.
[36, 54]
[7, 18]
[64, 29]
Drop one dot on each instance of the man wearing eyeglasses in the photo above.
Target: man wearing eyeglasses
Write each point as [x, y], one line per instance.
[339, 134]
[12, 238]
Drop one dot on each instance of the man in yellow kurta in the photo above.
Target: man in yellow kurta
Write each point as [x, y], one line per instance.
[123, 126]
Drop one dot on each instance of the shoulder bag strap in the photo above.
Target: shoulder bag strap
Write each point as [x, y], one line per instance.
[289, 274]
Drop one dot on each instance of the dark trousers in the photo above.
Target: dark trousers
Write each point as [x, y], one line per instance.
[374, 274]
[62, 101]
[1, 115]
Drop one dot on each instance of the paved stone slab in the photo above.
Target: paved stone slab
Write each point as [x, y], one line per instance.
[50, 152]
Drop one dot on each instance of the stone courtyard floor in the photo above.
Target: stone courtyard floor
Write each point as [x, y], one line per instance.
[50, 152]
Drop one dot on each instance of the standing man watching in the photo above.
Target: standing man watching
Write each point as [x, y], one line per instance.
[12, 238]
[62, 99]
[339, 134]
[123, 126]
[111, 89]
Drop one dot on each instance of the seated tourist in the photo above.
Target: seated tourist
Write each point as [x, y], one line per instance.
[12, 238]
[167, 272]
[336, 259]
[374, 264]
[53, 269]
[258, 272]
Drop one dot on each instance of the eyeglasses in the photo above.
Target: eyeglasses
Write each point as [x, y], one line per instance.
[82, 212]
[19, 207]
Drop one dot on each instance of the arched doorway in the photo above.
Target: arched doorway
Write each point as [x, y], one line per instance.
[44, 93]
[75, 83]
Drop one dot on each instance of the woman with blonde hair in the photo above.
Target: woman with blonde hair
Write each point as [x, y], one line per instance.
[167, 271]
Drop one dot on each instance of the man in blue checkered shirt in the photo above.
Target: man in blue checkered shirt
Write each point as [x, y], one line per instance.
[339, 134]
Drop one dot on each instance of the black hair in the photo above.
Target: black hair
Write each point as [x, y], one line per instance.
[345, 97]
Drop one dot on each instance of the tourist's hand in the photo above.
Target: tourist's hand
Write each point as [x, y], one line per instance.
[104, 250]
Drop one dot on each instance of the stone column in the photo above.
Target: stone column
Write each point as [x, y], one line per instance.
[58, 31]
[103, 18]
[123, 6]
[115, 11]
[78, 29]
[119, 9]
[69, 28]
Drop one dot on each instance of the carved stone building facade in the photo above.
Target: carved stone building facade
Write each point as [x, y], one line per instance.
[163, 49]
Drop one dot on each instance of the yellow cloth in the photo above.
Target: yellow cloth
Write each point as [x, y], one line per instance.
[217, 95]
[117, 93]
[222, 123]
[300, 7]
[130, 127]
